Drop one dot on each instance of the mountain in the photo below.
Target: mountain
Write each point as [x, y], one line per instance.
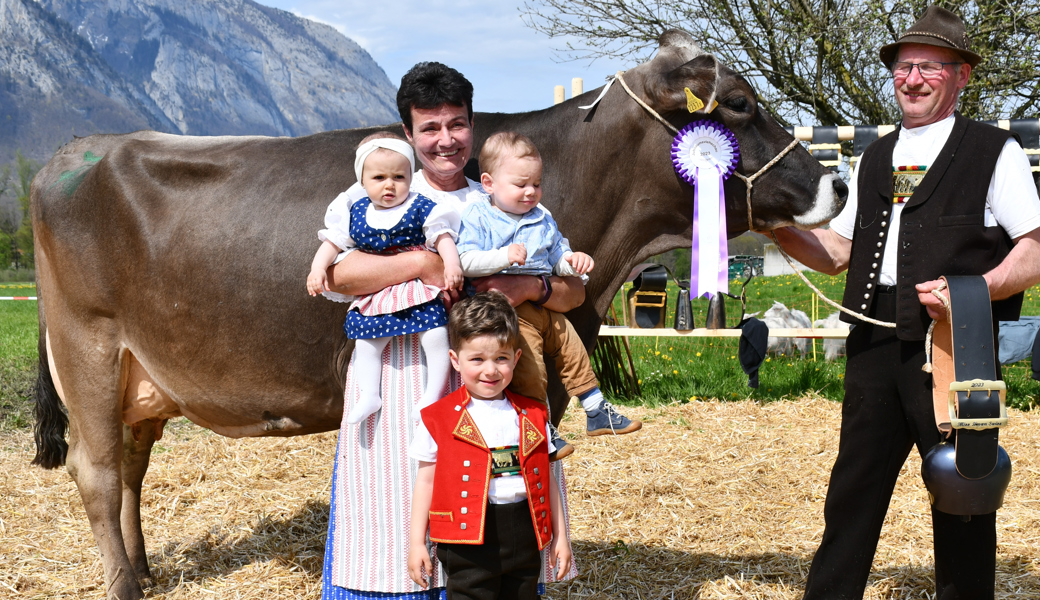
[198, 67]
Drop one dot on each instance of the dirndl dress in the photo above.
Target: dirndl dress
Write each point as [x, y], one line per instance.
[409, 307]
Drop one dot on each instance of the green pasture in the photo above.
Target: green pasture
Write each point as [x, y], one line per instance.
[668, 369]
[18, 355]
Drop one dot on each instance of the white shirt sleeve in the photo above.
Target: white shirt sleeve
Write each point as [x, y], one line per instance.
[1012, 201]
[442, 219]
[564, 268]
[548, 437]
[423, 447]
[481, 263]
[845, 223]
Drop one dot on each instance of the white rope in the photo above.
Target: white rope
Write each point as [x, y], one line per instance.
[937, 292]
[621, 80]
[823, 297]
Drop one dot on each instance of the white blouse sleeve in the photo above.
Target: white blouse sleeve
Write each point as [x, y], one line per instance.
[337, 223]
[443, 218]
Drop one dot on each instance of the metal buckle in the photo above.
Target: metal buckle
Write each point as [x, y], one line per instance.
[656, 299]
[977, 385]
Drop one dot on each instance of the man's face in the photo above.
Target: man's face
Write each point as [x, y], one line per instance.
[928, 100]
[443, 139]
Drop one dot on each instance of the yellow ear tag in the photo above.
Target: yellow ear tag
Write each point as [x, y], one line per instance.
[712, 107]
[693, 103]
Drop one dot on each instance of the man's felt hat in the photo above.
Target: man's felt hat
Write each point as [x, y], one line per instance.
[936, 27]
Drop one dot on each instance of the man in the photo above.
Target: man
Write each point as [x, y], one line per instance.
[943, 195]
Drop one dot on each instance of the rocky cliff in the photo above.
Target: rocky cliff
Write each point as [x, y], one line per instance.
[199, 67]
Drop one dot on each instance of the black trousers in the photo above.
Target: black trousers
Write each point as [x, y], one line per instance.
[886, 412]
[505, 566]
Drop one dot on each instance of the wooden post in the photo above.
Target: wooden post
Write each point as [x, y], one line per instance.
[558, 94]
[577, 87]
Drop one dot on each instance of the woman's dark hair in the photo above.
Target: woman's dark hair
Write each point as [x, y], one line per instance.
[429, 85]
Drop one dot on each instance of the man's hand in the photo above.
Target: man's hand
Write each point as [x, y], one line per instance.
[517, 288]
[517, 254]
[935, 307]
[581, 262]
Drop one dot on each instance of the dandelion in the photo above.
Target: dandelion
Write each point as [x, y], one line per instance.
[675, 372]
[698, 355]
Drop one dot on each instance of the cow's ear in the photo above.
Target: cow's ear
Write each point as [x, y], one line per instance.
[666, 90]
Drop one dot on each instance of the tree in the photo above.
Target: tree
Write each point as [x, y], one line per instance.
[21, 238]
[812, 61]
[9, 220]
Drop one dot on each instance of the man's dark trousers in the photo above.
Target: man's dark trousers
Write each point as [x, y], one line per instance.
[887, 410]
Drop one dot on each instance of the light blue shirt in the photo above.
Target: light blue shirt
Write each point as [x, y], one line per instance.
[485, 227]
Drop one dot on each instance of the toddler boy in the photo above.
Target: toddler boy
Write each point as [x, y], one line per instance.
[484, 489]
[512, 233]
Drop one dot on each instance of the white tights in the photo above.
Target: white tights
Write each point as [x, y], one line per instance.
[368, 359]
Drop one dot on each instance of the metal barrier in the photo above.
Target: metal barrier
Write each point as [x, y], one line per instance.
[825, 141]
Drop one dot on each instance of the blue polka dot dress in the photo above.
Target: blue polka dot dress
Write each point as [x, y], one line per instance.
[407, 233]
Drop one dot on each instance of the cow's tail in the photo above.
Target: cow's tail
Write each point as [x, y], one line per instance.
[51, 420]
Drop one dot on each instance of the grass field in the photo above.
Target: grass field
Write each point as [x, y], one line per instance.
[668, 369]
[18, 355]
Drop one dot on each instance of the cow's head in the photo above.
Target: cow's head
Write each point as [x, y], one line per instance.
[652, 206]
[795, 191]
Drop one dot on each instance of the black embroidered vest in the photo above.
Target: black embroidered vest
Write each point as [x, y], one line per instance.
[942, 226]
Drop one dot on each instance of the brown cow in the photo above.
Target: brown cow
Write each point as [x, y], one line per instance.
[170, 269]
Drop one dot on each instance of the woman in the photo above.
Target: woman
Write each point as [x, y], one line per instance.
[366, 553]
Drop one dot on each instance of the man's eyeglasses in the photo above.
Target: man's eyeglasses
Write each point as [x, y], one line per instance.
[928, 70]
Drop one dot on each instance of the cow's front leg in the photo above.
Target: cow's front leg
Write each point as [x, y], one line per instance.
[137, 448]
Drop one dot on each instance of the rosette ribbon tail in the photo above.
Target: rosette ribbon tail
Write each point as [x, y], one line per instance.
[705, 154]
[709, 251]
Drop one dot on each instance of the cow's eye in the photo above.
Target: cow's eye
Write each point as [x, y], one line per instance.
[737, 104]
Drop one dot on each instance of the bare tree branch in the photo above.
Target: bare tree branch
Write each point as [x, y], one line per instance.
[811, 60]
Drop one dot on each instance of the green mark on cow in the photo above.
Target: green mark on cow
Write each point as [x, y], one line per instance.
[70, 180]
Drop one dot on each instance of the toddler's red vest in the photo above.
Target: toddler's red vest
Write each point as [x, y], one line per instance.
[463, 473]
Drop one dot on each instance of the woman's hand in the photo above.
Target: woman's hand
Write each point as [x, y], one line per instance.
[581, 262]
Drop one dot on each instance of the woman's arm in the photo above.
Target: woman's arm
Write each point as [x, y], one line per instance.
[362, 273]
[419, 564]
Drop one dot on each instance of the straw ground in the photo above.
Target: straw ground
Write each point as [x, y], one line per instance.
[711, 500]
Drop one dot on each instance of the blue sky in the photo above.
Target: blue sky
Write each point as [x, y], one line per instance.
[513, 68]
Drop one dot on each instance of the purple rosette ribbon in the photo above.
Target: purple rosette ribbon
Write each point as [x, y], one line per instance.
[705, 153]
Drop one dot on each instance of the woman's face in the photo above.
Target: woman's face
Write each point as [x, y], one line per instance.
[443, 141]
